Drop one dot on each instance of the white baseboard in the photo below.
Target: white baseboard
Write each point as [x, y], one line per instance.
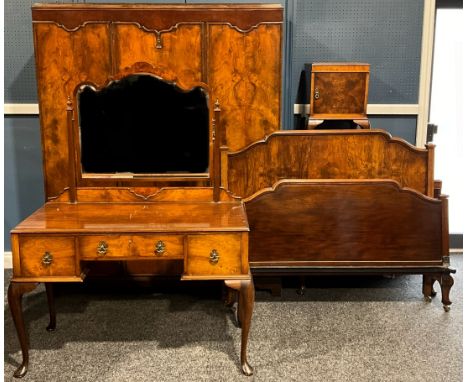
[7, 260]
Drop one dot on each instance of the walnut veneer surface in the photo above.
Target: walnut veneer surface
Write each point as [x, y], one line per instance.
[345, 222]
[327, 154]
[232, 51]
[135, 217]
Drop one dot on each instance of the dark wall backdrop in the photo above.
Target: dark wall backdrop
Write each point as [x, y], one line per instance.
[386, 34]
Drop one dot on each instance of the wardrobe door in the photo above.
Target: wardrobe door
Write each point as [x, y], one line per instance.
[244, 73]
[65, 59]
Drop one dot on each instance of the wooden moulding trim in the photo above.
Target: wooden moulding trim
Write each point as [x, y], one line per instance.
[143, 177]
[85, 195]
[215, 277]
[142, 69]
[273, 269]
[156, 17]
[445, 226]
[76, 245]
[368, 264]
[116, 231]
[224, 166]
[336, 116]
[38, 7]
[245, 252]
[331, 67]
[250, 29]
[45, 279]
[130, 258]
[430, 169]
[186, 245]
[135, 23]
[15, 249]
[305, 133]
[167, 29]
[346, 182]
[160, 31]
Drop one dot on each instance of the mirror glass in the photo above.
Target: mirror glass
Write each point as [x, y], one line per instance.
[143, 125]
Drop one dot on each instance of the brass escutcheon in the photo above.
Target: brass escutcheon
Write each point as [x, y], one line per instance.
[47, 259]
[214, 257]
[158, 41]
[102, 248]
[316, 94]
[159, 248]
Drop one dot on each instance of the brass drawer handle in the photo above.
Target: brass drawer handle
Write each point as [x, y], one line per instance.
[316, 94]
[159, 248]
[214, 257]
[102, 248]
[47, 259]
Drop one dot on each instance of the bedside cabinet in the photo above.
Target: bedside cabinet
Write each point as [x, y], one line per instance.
[339, 92]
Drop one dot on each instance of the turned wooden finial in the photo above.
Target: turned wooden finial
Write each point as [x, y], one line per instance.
[217, 108]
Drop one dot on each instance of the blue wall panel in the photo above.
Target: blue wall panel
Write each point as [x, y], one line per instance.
[24, 183]
[403, 126]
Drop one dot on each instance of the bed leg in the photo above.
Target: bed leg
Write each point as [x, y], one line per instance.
[446, 283]
[302, 287]
[428, 287]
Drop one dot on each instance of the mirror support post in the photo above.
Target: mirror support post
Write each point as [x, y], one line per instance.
[216, 153]
[71, 151]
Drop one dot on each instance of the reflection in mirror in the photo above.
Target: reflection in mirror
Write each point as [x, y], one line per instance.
[143, 125]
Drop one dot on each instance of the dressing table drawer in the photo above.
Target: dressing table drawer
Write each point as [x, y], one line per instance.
[124, 246]
[47, 256]
[213, 255]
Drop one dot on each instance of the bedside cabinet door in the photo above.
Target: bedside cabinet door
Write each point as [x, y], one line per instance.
[339, 93]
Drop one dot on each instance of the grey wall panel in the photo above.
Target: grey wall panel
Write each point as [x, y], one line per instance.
[24, 183]
[403, 126]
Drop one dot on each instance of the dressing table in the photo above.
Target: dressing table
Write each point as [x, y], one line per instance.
[133, 101]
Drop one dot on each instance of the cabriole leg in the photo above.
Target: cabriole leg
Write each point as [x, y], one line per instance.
[15, 296]
[244, 315]
[446, 283]
[248, 297]
[51, 303]
[428, 287]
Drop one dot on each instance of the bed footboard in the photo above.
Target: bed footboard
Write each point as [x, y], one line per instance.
[323, 225]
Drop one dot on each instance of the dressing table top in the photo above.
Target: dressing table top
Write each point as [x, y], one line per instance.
[166, 216]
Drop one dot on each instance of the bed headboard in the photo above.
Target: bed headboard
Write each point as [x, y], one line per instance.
[327, 154]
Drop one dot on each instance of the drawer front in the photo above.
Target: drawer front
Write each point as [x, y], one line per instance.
[125, 246]
[212, 255]
[47, 256]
